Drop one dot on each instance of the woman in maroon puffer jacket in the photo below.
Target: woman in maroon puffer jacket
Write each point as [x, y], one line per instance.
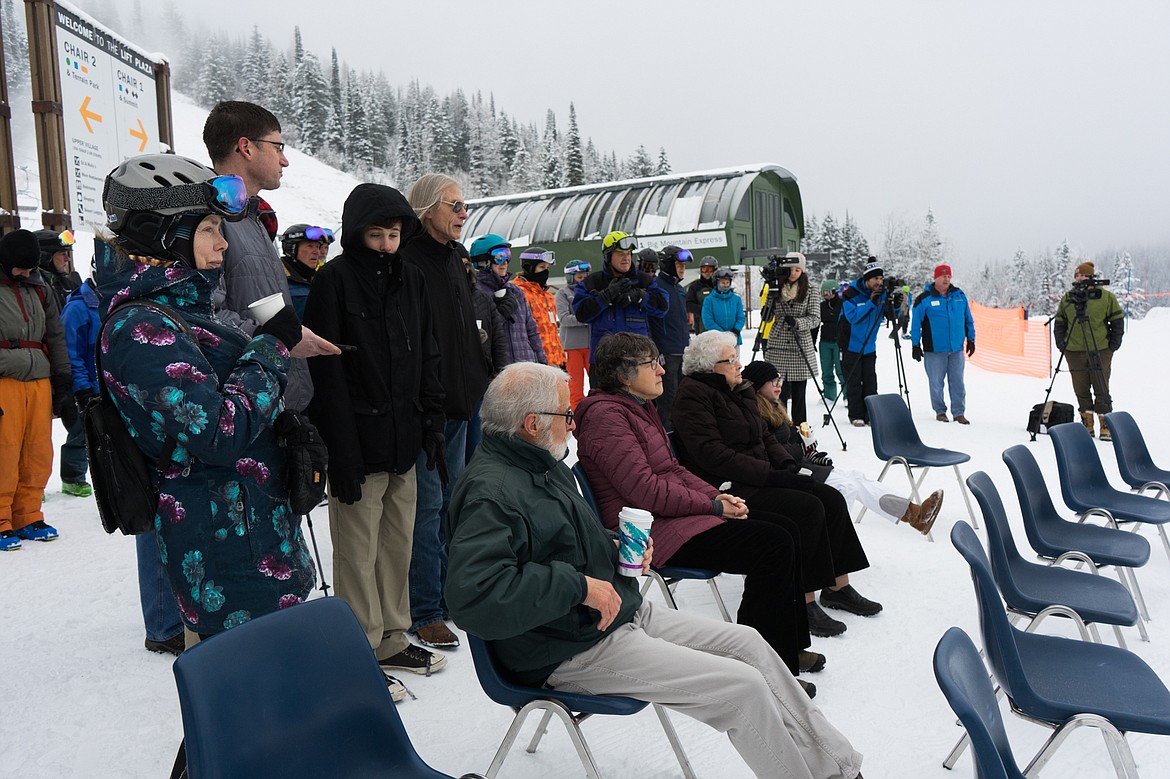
[625, 453]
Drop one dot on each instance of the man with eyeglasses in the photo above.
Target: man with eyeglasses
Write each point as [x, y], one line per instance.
[534, 573]
[464, 372]
[618, 298]
[303, 250]
[243, 139]
[672, 333]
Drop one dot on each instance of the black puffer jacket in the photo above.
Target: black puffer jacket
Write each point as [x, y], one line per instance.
[374, 403]
[463, 370]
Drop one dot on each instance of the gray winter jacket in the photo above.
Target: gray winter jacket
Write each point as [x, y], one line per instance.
[574, 334]
[23, 318]
[252, 270]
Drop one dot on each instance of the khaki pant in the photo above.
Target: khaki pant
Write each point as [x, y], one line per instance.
[721, 674]
[372, 541]
[26, 450]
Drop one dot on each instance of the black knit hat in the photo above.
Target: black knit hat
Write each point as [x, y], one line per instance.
[19, 249]
[760, 373]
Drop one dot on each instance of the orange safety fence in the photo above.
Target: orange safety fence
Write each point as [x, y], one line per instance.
[1008, 343]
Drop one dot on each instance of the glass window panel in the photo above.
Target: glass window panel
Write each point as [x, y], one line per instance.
[688, 203]
[525, 221]
[712, 217]
[602, 215]
[743, 211]
[546, 227]
[626, 211]
[481, 220]
[574, 217]
[789, 215]
[653, 219]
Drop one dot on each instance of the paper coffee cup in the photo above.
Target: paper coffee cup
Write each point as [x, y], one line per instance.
[265, 308]
[500, 292]
[634, 531]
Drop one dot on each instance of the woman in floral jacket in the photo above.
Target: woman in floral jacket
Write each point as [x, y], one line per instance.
[231, 546]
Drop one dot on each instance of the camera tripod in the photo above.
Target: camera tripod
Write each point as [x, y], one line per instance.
[1092, 352]
[812, 372]
[888, 313]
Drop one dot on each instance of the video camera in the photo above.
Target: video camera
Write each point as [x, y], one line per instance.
[773, 273]
[896, 288]
[1086, 289]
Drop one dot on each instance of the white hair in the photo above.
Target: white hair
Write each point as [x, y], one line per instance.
[518, 390]
[426, 193]
[705, 350]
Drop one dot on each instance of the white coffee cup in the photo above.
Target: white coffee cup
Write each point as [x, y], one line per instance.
[265, 308]
[634, 531]
[501, 292]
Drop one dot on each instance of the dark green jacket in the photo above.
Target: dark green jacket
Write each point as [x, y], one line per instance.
[522, 540]
[1105, 327]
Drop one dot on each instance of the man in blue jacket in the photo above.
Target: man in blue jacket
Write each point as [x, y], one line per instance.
[671, 333]
[942, 321]
[618, 298]
[861, 314]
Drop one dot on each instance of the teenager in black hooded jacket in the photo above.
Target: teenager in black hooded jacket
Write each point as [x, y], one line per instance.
[378, 407]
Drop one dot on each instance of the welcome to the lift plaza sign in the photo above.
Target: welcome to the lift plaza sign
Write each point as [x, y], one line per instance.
[109, 104]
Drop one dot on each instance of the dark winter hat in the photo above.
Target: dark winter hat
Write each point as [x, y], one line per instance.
[51, 242]
[872, 269]
[19, 249]
[760, 373]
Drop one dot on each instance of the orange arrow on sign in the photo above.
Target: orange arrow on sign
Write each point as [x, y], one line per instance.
[140, 134]
[86, 114]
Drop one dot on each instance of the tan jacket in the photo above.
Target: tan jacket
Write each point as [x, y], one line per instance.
[23, 317]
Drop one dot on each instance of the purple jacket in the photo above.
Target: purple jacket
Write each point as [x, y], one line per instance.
[524, 344]
[623, 448]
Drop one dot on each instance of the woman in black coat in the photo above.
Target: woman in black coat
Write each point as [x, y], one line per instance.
[721, 437]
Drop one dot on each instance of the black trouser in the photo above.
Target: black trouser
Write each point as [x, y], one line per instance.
[773, 601]
[860, 380]
[670, 379]
[828, 540]
[795, 390]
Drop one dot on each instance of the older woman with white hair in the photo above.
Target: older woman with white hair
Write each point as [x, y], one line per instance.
[464, 372]
[721, 438]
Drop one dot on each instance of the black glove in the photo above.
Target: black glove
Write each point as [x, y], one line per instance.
[633, 297]
[346, 488]
[506, 305]
[788, 478]
[64, 405]
[435, 446]
[616, 289]
[916, 353]
[790, 321]
[82, 398]
[1061, 343]
[820, 458]
[306, 460]
[970, 347]
[875, 297]
[285, 326]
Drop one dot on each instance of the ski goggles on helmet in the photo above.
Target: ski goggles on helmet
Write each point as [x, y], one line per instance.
[684, 256]
[542, 256]
[625, 244]
[65, 240]
[500, 255]
[311, 234]
[577, 266]
[223, 195]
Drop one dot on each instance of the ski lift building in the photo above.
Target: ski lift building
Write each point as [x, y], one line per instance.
[717, 212]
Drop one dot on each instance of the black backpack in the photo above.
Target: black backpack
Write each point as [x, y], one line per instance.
[123, 476]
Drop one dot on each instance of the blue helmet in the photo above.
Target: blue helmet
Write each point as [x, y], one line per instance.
[485, 243]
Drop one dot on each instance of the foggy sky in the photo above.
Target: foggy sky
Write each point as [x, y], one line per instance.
[1020, 124]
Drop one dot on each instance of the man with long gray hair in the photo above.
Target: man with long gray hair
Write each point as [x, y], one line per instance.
[463, 371]
[534, 572]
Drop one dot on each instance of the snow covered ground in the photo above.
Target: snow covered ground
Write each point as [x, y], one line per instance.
[81, 697]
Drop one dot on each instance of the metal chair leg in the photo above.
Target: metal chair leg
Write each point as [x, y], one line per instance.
[675, 744]
[966, 496]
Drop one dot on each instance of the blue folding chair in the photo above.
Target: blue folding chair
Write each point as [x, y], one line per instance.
[293, 693]
[962, 678]
[1133, 456]
[1087, 491]
[1057, 539]
[895, 440]
[1032, 590]
[571, 708]
[1063, 683]
[667, 576]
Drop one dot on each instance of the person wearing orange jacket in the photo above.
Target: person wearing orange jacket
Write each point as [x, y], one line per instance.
[533, 282]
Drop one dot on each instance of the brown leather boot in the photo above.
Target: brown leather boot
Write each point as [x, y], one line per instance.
[1087, 421]
[1105, 434]
[921, 517]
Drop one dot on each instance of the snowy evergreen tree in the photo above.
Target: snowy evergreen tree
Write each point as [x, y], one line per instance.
[641, 166]
[550, 163]
[335, 128]
[257, 65]
[1050, 290]
[217, 77]
[509, 143]
[1128, 287]
[1023, 290]
[854, 248]
[832, 241]
[359, 149]
[312, 104]
[663, 163]
[574, 159]
[811, 241]
[16, 63]
[592, 163]
[281, 100]
[611, 169]
[928, 252]
[298, 47]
